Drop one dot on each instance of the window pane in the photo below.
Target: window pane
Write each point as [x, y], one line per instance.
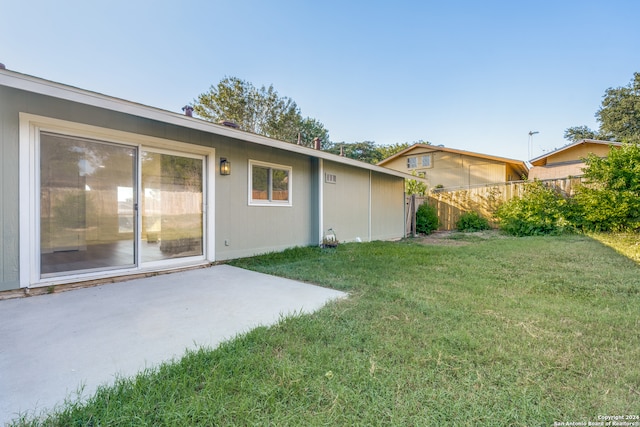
[426, 161]
[85, 215]
[260, 183]
[280, 184]
[172, 191]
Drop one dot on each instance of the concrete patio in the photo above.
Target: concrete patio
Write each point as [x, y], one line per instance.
[52, 345]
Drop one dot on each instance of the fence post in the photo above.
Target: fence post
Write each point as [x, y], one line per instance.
[413, 216]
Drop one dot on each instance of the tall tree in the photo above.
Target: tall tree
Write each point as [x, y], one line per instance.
[618, 116]
[391, 149]
[578, 133]
[261, 111]
[311, 129]
[365, 151]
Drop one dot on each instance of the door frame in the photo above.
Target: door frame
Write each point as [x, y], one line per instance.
[29, 179]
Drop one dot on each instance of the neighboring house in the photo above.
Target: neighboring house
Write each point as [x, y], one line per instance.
[93, 186]
[450, 168]
[568, 160]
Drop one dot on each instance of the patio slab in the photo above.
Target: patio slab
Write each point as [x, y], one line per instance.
[53, 345]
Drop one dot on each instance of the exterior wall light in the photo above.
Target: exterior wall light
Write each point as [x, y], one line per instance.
[225, 166]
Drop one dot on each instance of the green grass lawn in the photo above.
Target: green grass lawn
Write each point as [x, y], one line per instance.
[471, 331]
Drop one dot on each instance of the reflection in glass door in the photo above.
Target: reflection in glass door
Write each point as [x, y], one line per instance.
[171, 206]
[89, 197]
[87, 201]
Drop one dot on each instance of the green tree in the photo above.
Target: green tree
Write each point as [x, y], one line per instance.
[368, 151]
[618, 116]
[365, 151]
[611, 200]
[311, 129]
[578, 133]
[387, 151]
[413, 186]
[261, 111]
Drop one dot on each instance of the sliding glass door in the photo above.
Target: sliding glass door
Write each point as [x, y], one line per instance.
[82, 207]
[90, 192]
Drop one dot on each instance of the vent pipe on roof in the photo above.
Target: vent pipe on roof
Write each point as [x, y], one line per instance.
[316, 143]
[2, 67]
[188, 110]
[229, 124]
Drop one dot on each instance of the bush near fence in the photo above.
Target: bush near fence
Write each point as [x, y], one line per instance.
[450, 203]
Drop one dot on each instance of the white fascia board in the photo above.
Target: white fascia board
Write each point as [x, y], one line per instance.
[70, 93]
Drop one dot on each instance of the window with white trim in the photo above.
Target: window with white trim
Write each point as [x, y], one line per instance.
[426, 161]
[412, 162]
[269, 184]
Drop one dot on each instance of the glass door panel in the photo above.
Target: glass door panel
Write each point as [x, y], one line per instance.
[87, 202]
[171, 203]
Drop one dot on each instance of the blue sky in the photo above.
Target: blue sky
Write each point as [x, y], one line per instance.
[471, 75]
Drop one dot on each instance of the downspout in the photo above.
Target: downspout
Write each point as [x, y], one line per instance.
[370, 177]
[320, 200]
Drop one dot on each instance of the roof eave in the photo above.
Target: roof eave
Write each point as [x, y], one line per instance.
[58, 90]
[518, 163]
[573, 144]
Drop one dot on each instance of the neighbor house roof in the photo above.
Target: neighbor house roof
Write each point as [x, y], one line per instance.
[542, 160]
[519, 165]
[70, 93]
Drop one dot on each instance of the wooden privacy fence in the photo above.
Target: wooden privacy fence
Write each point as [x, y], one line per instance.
[485, 199]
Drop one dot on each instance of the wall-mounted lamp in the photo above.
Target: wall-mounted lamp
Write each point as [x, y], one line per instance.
[225, 166]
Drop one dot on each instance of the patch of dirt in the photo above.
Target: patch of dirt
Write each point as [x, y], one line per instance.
[456, 238]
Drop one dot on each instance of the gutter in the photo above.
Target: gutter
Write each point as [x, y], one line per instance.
[40, 86]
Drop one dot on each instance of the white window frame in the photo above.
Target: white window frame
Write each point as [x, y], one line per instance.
[270, 166]
[30, 127]
[428, 158]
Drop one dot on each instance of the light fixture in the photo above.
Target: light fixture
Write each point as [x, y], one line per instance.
[225, 166]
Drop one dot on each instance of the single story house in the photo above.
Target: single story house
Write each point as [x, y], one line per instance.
[93, 186]
[568, 160]
[446, 167]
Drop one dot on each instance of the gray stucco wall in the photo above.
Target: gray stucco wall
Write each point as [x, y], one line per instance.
[387, 207]
[362, 204]
[251, 230]
[346, 202]
[9, 215]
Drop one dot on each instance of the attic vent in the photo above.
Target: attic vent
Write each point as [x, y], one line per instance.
[330, 178]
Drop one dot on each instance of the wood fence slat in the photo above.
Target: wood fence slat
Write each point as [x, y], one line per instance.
[450, 204]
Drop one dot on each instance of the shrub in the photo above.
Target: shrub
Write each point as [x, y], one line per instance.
[611, 200]
[601, 209]
[426, 219]
[472, 221]
[540, 210]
